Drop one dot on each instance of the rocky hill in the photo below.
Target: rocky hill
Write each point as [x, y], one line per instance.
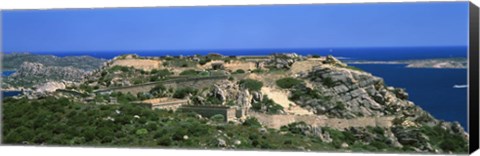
[37, 69]
[297, 94]
[13, 61]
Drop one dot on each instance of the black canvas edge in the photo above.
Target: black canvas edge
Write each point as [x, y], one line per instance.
[473, 78]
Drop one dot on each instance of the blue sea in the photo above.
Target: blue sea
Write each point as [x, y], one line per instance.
[390, 53]
[10, 93]
[7, 73]
[431, 89]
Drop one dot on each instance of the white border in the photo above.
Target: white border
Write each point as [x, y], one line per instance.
[82, 151]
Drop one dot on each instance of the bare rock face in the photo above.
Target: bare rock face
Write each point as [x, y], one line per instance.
[30, 73]
[334, 61]
[340, 92]
[244, 99]
[224, 91]
[349, 94]
[50, 87]
[39, 70]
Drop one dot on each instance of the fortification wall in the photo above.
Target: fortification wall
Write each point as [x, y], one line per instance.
[209, 111]
[276, 121]
[201, 82]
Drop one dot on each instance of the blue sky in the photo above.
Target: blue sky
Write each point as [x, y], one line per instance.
[237, 27]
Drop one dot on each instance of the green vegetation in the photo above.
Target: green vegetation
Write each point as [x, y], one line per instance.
[301, 91]
[178, 62]
[267, 106]
[354, 68]
[446, 141]
[288, 82]
[204, 61]
[159, 91]
[181, 93]
[258, 71]
[159, 74]
[252, 122]
[239, 71]
[190, 72]
[251, 85]
[218, 118]
[328, 81]
[53, 121]
[60, 121]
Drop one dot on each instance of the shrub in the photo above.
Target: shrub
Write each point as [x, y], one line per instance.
[259, 71]
[252, 122]
[183, 92]
[269, 104]
[158, 90]
[288, 82]
[204, 61]
[250, 84]
[162, 73]
[328, 82]
[239, 71]
[119, 68]
[142, 131]
[218, 118]
[189, 72]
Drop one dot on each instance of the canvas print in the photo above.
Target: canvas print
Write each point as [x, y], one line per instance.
[372, 77]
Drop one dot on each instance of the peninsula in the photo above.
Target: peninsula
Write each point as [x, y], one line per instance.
[282, 101]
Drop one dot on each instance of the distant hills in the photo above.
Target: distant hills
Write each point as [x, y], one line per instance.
[32, 69]
[13, 61]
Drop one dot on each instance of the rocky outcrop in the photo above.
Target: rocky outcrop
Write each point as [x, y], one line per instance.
[339, 92]
[348, 93]
[15, 60]
[30, 69]
[50, 87]
[30, 74]
[334, 61]
[283, 60]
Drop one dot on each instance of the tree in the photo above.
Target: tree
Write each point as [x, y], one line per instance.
[158, 91]
[183, 92]
[239, 71]
[288, 82]
[250, 84]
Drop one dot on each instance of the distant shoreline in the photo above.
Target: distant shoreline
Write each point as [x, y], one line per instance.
[437, 63]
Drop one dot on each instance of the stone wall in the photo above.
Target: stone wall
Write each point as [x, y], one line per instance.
[209, 111]
[200, 82]
[276, 121]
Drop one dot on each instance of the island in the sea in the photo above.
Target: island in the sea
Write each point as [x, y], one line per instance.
[282, 101]
[441, 63]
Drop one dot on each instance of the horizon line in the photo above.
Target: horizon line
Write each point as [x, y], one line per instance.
[234, 49]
